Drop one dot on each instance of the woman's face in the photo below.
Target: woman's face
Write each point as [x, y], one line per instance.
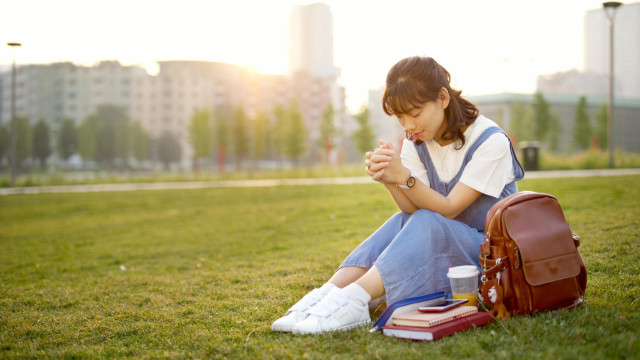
[426, 122]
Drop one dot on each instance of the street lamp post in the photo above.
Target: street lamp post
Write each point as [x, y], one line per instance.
[14, 125]
[610, 11]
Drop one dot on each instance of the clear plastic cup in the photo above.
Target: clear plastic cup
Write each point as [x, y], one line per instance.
[464, 283]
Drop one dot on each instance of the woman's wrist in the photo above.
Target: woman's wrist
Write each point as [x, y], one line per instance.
[403, 176]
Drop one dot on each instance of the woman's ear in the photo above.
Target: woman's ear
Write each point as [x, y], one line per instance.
[444, 97]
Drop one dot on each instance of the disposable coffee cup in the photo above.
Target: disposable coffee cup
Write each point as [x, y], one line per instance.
[464, 283]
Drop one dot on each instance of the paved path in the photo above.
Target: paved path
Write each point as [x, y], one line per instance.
[275, 182]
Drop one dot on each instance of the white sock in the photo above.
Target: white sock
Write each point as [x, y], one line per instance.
[357, 293]
[326, 288]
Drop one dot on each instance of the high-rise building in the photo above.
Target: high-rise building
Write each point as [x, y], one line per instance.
[593, 80]
[312, 71]
[311, 41]
[626, 47]
[54, 92]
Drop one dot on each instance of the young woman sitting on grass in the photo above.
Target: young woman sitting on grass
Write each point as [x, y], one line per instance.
[454, 165]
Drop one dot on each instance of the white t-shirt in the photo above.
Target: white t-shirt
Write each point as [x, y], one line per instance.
[488, 171]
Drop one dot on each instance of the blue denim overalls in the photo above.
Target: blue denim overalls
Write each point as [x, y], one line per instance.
[414, 251]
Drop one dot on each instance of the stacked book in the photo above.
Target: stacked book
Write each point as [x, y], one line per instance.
[405, 321]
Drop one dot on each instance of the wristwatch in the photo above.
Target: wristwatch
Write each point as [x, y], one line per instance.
[411, 180]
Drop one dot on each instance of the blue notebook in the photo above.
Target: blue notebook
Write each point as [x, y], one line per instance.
[407, 305]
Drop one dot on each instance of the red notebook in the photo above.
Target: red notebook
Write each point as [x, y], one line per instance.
[438, 331]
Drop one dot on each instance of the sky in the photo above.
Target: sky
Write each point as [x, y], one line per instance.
[488, 46]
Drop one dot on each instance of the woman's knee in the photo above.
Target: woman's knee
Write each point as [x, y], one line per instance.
[399, 218]
[425, 215]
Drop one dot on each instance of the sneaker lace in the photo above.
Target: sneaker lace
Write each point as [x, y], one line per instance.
[329, 304]
[307, 301]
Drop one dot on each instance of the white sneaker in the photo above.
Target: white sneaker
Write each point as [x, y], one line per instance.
[298, 312]
[335, 312]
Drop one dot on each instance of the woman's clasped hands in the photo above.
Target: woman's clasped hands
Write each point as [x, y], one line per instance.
[383, 164]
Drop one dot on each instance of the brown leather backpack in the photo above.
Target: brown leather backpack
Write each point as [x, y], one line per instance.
[530, 257]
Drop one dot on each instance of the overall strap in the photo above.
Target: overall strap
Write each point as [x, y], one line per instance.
[517, 168]
[432, 175]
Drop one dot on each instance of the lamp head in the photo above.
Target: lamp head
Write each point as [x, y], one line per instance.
[610, 9]
[611, 4]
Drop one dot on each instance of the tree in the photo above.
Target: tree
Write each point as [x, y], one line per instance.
[87, 138]
[106, 142]
[328, 131]
[200, 137]
[67, 139]
[5, 142]
[280, 114]
[602, 132]
[221, 137]
[140, 142]
[364, 137]
[521, 122]
[582, 126]
[123, 139]
[295, 133]
[240, 135]
[41, 142]
[112, 134]
[24, 140]
[555, 129]
[541, 117]
[169, 149]
[262, 140]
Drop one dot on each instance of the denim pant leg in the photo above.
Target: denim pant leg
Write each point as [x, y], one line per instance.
[368, 251]
[417, 260]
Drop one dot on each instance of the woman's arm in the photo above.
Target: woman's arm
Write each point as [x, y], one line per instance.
[402, 201]
[376, 161]
[392, 172]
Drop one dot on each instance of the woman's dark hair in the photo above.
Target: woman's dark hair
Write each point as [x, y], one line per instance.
[416, 80]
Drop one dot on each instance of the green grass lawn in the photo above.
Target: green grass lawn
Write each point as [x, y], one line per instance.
[203, 273]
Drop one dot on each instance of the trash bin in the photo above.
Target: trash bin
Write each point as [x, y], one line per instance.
[530, 150]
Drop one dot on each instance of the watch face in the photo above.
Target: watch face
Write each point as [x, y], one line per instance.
[411, 181]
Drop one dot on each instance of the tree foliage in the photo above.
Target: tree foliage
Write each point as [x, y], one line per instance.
[112, 127]
[555, 129]
[169, 149]
[5, 142]
[140, 142]
[521, 121]
[41, 142]
[240, 135]
[602, 132]
[295, 133]
[541, 117]
[221, 131]
[24, 140]
[87, 138]
[279, 136]
[328, 130]
[67, 139]
[262, 142]
[364, 137]
[200, 134]
[582, 126]
[105, 135]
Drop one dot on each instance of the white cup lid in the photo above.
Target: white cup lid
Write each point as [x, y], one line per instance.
[463, 271]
